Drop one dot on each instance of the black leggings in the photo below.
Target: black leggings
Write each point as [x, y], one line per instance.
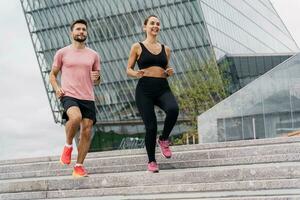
[152, 91]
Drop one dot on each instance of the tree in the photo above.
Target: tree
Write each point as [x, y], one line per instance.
[199, 88]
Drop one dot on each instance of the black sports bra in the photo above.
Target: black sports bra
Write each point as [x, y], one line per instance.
[148, 59]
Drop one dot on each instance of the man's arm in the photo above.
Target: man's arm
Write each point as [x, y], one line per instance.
[95, 73]
[52, 78]
[95, 76]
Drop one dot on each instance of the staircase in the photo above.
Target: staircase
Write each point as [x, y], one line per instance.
[238, 170]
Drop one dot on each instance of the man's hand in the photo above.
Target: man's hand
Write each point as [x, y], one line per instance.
[95, 76]
[59, 92]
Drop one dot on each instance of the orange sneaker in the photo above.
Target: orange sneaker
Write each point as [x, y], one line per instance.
[79, 171]
[65, 158]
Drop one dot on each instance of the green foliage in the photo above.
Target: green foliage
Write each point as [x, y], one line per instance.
[104, 141]
[201, 87]
[181, 139]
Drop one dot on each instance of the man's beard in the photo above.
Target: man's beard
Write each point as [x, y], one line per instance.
[76, 38]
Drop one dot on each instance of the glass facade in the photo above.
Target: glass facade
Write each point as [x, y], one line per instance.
[113, 27]
[244, 69]
[248, 34]
[266, 107]
[246, 27]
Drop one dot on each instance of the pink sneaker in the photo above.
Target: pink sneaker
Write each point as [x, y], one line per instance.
[153, 167]
[164, 148]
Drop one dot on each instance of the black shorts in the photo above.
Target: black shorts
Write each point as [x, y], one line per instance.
[86, 107]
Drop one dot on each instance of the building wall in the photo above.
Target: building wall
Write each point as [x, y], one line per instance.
[246, 27]
[195, 30]
[243, 69]
[113, 27]
[266, 107]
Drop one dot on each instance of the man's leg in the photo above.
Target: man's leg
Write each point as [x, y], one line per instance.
[73, 123]
[85, 139]
[88, 112]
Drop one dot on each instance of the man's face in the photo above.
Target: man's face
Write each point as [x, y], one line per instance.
[79, 32]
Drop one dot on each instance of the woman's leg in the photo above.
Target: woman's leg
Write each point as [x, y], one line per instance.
[168, 104]
[145, 106]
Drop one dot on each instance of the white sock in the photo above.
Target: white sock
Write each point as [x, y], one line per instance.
[78, 164]
[68, 145]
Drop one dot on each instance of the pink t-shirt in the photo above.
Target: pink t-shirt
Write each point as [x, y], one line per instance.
[75, 66]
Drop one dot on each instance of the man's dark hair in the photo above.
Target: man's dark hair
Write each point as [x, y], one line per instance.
[78, 21]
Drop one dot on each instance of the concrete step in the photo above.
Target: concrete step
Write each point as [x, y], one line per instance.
[192, 196]
[185, 197]
[117, 153]
[205, 175]
[221, 156]
[255, 189]
[97, 168]
[246, 170]
[229, 195]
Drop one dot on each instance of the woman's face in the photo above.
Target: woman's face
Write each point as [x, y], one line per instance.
[152, 27]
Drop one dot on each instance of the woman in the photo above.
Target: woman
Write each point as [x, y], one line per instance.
[153, 88]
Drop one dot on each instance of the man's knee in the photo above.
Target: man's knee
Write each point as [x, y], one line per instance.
[75, 119]
[86, 128]
[74, 115]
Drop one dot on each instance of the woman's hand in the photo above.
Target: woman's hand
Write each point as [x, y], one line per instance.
[139, 73]
[169, 71]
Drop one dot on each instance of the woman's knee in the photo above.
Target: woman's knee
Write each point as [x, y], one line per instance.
[150, 136]
[172, 110]
[151, 129]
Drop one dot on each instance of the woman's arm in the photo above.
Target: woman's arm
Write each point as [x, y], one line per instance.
[132, 60]
[169, 71]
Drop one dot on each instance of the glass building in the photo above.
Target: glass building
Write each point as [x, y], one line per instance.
[267, 107]
[246, 27]
[247, 33]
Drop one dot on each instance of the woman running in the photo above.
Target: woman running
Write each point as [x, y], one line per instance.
[153, 88]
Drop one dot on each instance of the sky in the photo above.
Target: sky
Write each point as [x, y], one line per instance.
[27, 128]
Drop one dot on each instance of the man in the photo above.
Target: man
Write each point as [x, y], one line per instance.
[80, 70]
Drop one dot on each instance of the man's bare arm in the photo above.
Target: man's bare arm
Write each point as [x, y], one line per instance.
[53, 81]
